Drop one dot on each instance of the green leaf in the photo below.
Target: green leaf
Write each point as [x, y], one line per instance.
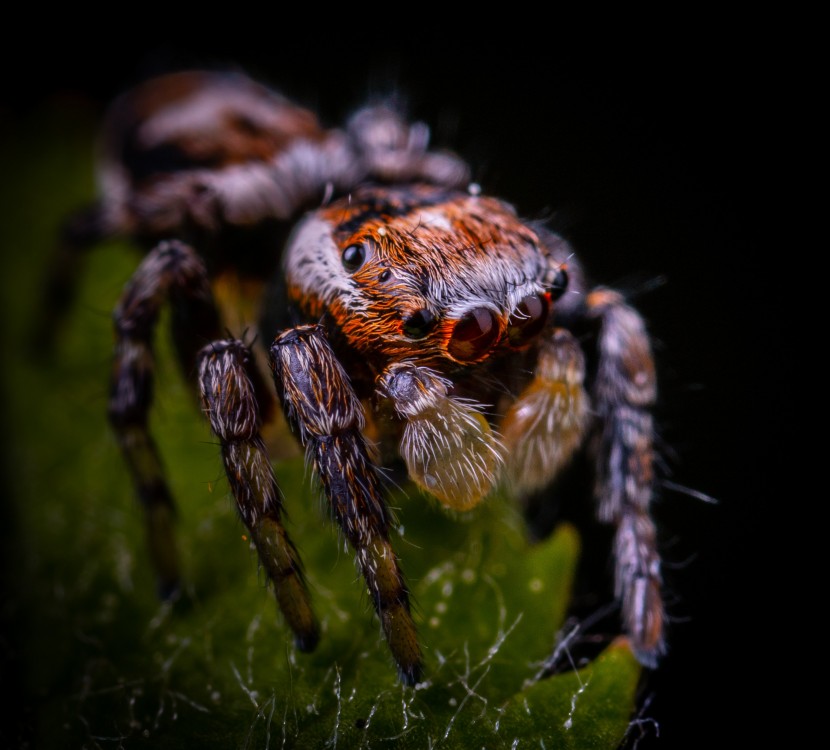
[103, 664]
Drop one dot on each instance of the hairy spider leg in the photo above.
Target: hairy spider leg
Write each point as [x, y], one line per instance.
[546, 424]
[79, 233]
[229, 399]
[447, 444]
[623, 393]
[171, 272]
[324, 410]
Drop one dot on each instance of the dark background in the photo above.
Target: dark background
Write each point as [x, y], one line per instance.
[655, 162]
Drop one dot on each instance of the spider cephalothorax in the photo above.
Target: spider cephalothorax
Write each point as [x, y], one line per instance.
[446, 277]
[423, 313]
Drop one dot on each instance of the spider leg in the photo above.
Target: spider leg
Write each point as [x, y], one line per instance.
[78, 235]
[230, 401]
[623, 393]
[447, 444]
[546, 423]
[321, 406]
[170, 271]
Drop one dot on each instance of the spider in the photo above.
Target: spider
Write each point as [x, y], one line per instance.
[406, 317]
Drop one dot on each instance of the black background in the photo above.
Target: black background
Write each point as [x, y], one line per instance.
[655, 161]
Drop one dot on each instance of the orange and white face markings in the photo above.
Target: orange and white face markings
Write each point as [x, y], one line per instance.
[444, 277]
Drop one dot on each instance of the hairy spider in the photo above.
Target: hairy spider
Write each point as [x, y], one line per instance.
[397, 302]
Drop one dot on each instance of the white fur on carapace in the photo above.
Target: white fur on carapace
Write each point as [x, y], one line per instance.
[446, 278]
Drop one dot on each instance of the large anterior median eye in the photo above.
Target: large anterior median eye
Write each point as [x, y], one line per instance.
[473, 335]
[528, 319]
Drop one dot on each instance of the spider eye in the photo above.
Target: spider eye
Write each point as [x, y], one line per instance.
[528, 319]
[473, 335]
[353, 257]
[560, 284]
[419, 324]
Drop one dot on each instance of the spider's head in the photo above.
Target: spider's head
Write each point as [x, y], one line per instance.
[424, 274]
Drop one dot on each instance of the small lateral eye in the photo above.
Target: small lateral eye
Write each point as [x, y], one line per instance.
[528, 320]
[419, 324]
[353, 257]
[474, 335]
[560, 284]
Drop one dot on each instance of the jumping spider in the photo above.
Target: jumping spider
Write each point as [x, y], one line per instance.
[423, 314]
